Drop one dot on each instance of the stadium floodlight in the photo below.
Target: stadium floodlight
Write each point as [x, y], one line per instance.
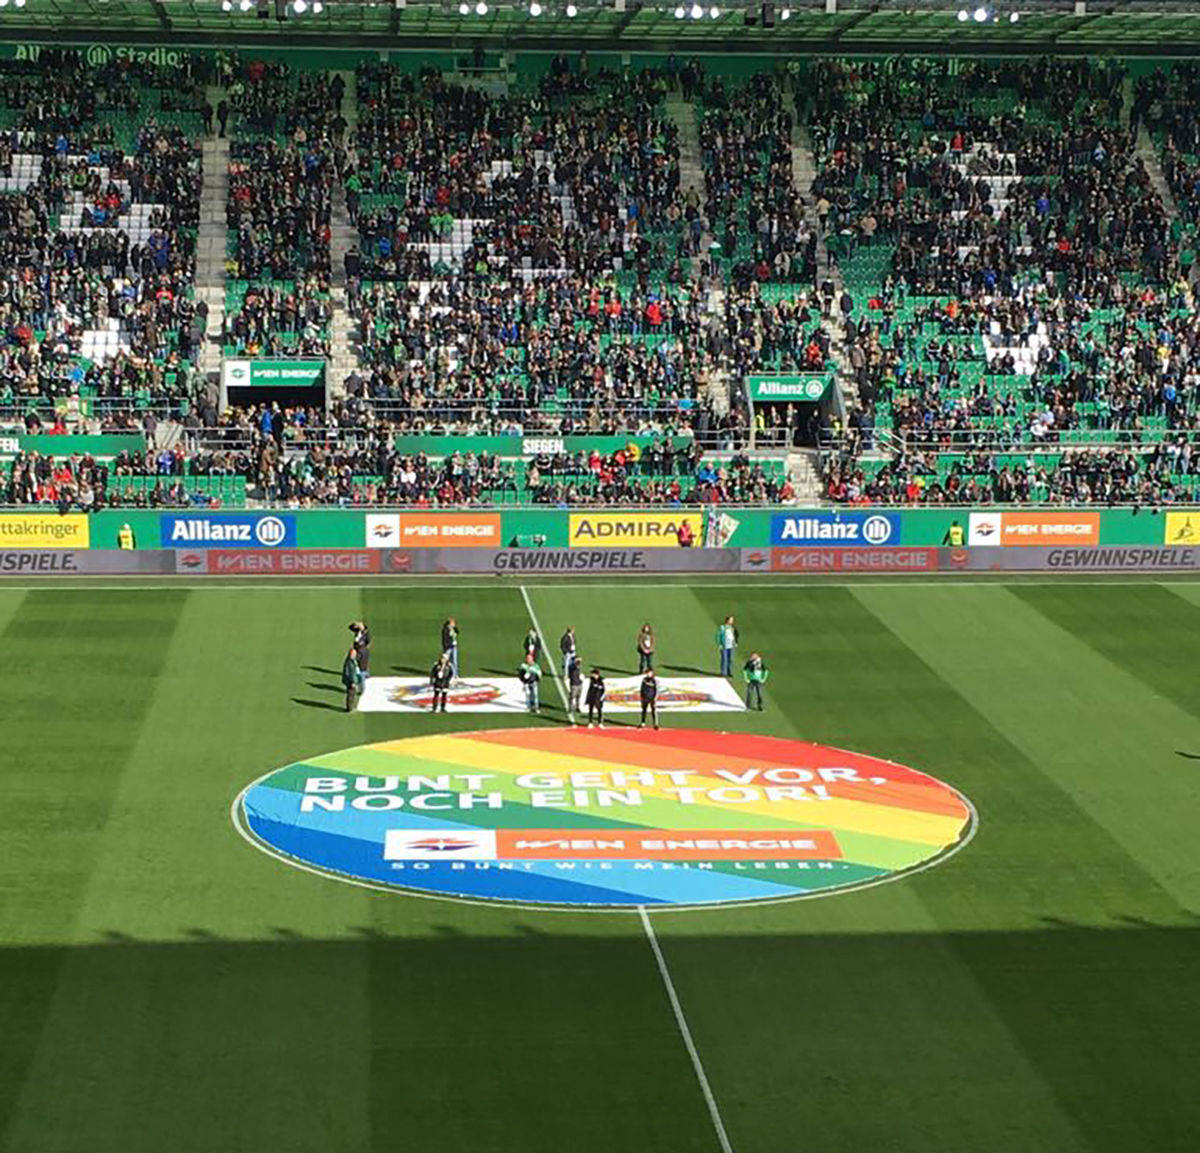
[19, 3]
[464, 9]
[785, 14]
[535, 9]
[981, 15]
[680, 13]
[481, 8]
[300, 7]
[714, 12]
[318, 7]
[963, 16]
[1013, 17]
[572, 11]
[226, 5]
[246, 5]
[696, 12]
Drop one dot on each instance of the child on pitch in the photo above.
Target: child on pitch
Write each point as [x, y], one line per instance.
[574, 685]
[530, 675]
[595, 698]
[440, 677]
[755, 674]
[649, 698]
[352, 679]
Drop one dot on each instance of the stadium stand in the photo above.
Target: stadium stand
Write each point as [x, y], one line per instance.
[283, 164]
[1006, 314]
[1009, 285]
[99, 194]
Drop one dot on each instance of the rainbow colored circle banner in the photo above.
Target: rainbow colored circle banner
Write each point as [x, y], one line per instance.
[614, 818]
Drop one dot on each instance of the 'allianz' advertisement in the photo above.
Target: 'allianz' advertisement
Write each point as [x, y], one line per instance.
[814, 527]
[227, 530]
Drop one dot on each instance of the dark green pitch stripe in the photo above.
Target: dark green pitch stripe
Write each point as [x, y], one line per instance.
[91, 664]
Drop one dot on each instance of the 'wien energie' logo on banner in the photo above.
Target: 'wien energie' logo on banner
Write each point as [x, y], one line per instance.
[616, 819]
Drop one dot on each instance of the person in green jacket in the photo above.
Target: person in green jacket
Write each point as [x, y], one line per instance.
[755, 673]
[727, 639]
[530, 675]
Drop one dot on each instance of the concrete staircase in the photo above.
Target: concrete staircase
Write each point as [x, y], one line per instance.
[210, 251]
[1148, 155]
[804, 172]
[691, 171]
[343, 236]
[804, 471]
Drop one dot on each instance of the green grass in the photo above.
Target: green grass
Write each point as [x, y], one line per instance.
[165, 986]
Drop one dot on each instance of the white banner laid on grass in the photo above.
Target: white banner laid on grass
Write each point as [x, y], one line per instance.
[470, 695]
[675, 695]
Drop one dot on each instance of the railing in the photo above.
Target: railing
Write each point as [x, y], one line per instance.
[892, 441]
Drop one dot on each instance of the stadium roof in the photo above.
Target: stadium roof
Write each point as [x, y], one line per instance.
[1129, 27]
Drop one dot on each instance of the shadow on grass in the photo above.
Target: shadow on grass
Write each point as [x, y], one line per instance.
[318, 669]
[318, 704]
[1041, 1034]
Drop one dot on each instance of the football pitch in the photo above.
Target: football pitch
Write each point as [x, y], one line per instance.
[165, 985]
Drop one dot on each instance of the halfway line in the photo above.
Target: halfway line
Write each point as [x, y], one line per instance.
[686, 1033]
[537, 628]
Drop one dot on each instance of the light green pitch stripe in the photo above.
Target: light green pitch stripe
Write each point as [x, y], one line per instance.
[1045, 690]
[10, 604]
[654, 813]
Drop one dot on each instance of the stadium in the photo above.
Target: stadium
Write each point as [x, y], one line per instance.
[611, 576]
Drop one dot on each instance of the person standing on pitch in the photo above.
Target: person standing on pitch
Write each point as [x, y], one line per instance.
[649, 695]
[645, 647]
[727, 639]
[574, 685]
[755, 673]
[450, 644]
[440, 677]
[530, 675]
[362, 646]
[533, 644]
[352, 679]
[566, 646]
[595, 698]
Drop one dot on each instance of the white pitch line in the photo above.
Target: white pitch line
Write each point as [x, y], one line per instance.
[537, 628]
[713, 1111]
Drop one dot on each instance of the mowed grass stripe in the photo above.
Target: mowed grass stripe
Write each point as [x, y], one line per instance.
[1101, 733]
[1149, 631]
[811, 1017]
[76, 684]
[1092, 729]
